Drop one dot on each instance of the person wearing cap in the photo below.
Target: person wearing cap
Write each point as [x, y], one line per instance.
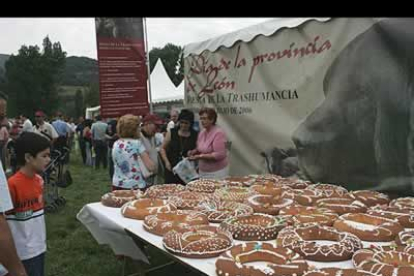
[44, 128]
[177, 143]
[149, 127]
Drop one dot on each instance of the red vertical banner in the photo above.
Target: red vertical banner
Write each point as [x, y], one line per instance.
[122, 68]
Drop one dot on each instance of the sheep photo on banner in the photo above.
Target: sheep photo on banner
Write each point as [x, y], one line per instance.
[327, 100]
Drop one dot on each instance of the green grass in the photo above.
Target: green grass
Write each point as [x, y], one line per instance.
[71, 248]
[72, 251]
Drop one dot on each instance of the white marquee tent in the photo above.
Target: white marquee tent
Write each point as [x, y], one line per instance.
[162, 88]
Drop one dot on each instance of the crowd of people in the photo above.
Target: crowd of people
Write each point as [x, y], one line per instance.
[59, 131]
[142, 160]
[138, 152]
[142, 151]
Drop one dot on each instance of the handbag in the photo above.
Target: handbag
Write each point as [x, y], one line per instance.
[145, 172]
[186, 170]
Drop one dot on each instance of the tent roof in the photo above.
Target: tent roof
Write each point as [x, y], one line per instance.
[92, 109]
[169, 99]
[161, 85]
[266, 28]
[177, 97]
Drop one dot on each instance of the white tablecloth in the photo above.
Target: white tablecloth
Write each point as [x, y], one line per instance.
[107, 227]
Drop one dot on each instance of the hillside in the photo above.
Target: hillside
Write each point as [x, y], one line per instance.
[79, 71]
[79, 74]
[3, 59]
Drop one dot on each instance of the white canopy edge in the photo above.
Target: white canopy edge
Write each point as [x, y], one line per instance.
[266, 28]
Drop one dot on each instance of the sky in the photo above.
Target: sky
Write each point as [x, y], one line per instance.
[77, 35]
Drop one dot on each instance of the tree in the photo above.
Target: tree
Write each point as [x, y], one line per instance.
[2, 80]
[154, 55]
[32, 78]
[79, 103]
[91, 97]
[172, 58]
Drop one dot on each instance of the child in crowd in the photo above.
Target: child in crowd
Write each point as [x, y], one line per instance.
[26, 220]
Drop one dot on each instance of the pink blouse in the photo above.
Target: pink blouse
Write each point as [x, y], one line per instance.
[213, 141]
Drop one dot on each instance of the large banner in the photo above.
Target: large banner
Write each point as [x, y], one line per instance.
[122, 67]
[328, 101]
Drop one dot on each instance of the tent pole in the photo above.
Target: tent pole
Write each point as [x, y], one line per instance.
[148, 64]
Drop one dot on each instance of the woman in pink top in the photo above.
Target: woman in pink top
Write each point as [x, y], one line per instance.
[211, 150]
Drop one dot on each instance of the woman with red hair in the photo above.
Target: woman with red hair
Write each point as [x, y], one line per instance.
[211, 151]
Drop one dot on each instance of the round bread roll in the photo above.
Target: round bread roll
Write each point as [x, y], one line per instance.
[370, 198]
[405, 216]
[305, 215]
[204, 185]
[140, 208]
[376, 261]
[255, 227]
[311, 242]
[368, 227]
[238, 194]
[218, 211]
[118, 198]
[188, 200]
[180, 220]
[342, 205]
[267, 204]
[238, 261]
[163, 191]
[199, 242]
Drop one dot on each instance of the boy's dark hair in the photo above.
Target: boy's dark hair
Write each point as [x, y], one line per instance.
[31, 143]
[98, 118]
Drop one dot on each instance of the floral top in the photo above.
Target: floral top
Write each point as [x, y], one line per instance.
[127, 173]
